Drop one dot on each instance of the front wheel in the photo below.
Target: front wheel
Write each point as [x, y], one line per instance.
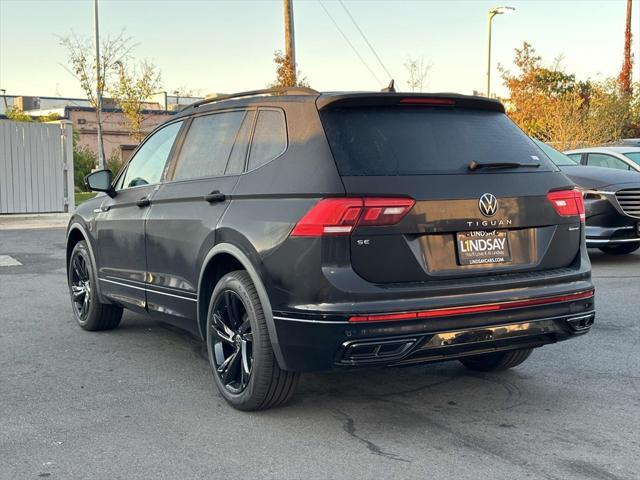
[90, 313]
[495, 362]
[622, 249]
[245, 369]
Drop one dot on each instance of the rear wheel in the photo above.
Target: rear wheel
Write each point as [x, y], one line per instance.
[495, 362]
[90, 313]
[622, 249]
[244, 367]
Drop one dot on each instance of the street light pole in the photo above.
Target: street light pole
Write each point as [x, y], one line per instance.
[492, 13]
[99, 88]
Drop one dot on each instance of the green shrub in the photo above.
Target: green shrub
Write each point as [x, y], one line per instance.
[114, 163]
[84, 160]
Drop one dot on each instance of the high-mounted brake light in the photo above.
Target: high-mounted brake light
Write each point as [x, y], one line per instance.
[568, 203]
[428, 101]
[339, 216]
[490, 307]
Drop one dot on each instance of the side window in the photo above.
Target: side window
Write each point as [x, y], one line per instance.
[208, 145]
[576, 157]
[147, 165]
[607, 161]
[269, 138]
[235, 165]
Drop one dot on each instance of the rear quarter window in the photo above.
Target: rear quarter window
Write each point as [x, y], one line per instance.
[423, 140]
[269, 138]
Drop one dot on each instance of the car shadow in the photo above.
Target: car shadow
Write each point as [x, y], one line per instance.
[601, 259]
[436, 386]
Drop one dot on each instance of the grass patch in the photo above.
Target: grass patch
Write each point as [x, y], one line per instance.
[83, 197]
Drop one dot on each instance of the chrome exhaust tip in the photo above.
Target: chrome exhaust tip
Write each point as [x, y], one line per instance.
[581, 322]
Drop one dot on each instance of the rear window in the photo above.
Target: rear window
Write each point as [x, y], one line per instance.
[421, 140]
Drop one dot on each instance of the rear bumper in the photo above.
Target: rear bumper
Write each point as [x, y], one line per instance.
[315, 343]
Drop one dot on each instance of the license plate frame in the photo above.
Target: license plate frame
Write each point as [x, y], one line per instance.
[483, 247]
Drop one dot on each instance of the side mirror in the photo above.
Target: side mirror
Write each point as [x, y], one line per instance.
[100, 181]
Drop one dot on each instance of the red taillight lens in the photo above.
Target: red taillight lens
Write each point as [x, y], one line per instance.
[385, 211]
[568, 203]
[330, 216]
[339, 216]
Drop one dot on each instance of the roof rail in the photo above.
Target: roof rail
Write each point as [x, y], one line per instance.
[251, 93]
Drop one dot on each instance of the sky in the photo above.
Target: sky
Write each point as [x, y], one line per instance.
[208, 46]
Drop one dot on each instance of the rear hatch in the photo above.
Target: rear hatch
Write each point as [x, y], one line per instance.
[496, 218]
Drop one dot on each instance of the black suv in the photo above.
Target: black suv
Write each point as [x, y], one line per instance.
[296, 231]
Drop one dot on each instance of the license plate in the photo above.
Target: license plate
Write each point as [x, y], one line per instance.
[483, 247]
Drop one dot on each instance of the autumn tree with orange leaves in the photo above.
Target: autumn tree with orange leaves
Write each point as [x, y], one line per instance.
[552, 105]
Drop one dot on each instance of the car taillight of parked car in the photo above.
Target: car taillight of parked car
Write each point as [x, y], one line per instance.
[568, 203]
[340, 216]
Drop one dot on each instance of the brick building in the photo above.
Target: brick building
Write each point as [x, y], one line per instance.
[116, 135]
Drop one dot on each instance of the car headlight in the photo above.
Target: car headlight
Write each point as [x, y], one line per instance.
[589, 194]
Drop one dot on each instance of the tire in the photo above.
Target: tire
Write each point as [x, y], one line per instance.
[87, 309]
[496, 362]
[242, 361]
[622, 249]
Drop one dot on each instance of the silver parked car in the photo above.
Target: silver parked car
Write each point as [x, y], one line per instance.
[620, 157]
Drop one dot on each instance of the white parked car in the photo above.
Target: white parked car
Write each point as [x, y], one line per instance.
[621, 157]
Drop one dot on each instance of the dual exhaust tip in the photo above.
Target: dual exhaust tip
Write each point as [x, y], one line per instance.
[391, 350]
[582, 322]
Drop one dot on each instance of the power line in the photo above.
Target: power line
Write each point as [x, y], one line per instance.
[349, 42]
[365, 39]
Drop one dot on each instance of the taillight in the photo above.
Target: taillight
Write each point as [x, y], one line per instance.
[385, 211]
[428, 101]
[568, 203]
[339, 216]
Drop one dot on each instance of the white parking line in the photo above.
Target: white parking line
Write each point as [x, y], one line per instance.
[8, 261]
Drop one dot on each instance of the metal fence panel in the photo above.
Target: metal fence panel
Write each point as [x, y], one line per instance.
[36, 167]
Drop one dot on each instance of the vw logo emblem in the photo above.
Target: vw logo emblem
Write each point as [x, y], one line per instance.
[488, 205]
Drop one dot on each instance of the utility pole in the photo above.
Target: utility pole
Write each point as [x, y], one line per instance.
[289, 39]
[99, 88]
[626, 72]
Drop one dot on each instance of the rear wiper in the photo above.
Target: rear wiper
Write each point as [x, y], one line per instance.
[473, 165]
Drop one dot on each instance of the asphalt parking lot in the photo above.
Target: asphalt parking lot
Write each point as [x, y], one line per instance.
[138, 402]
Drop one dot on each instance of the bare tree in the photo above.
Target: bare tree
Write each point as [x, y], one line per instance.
[418, 71]
[133, 86]
[83, 64]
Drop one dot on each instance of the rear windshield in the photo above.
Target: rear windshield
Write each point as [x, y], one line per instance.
[419, 140]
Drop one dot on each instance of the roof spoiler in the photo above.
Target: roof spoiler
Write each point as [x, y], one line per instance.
[350, 100]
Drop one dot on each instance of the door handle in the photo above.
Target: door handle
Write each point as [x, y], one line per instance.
[143, 202]
[215, 196]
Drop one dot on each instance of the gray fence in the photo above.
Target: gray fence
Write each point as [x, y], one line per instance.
[36, 167]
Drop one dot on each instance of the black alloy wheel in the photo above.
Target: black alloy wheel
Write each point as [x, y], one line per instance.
[88, 309]
[232, 341]
[80, 285]
[239, 349]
